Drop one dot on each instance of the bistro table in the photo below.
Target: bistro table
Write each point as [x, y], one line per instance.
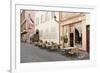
[66, 50]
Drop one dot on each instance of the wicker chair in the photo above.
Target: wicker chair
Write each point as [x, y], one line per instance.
[48, 45]
[40, 43]
[74, 52]
[44, 45]
[53, 46]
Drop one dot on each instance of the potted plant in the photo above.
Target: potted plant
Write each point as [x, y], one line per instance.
[64, 38]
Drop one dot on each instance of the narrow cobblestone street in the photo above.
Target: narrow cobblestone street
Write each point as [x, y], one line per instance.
[31, 53]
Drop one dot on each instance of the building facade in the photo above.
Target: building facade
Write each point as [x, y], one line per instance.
[47, 26]
[74, 25]
[69, 29]
[27, 24]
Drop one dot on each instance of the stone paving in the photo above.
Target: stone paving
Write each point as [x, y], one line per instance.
[31, 53]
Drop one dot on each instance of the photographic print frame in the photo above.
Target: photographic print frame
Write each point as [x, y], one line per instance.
[15, 52]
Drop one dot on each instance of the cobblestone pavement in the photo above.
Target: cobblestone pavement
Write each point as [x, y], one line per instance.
[31, 53]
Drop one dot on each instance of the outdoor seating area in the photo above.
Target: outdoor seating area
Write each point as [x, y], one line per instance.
[52, 46]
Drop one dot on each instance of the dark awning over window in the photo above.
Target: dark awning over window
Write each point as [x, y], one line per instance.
[24, 32]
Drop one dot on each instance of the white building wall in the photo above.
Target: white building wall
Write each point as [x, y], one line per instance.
[48, 28]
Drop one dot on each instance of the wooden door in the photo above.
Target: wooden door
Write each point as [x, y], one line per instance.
[88, 38]
[71, 39]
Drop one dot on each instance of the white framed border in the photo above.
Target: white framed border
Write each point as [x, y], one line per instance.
[16, 66]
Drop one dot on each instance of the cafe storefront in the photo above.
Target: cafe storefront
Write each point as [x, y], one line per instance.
[74, 30]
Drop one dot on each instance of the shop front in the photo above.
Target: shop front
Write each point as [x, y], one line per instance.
[76, 32]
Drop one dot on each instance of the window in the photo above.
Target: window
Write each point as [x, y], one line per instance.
[78, 34]
[53, 14]
[43, 18]
[46, 14]
[22, 15]
[37, 21]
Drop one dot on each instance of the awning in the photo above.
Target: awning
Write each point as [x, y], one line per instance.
[24, 32]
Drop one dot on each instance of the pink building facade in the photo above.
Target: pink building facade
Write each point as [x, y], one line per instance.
[76, 26]
[27, 25]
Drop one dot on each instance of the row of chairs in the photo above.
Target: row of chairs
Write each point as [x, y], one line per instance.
[52, 46]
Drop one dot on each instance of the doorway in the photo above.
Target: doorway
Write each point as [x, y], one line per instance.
[88, 38]
[71, 39]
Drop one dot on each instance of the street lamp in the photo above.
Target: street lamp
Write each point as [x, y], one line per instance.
[55, 18]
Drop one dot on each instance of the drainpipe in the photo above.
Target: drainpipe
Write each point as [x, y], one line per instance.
[55, 18]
